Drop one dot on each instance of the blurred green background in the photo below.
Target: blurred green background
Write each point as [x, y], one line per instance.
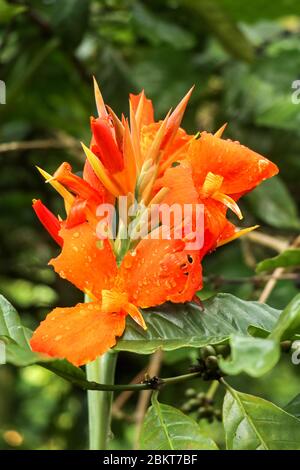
[243, 58]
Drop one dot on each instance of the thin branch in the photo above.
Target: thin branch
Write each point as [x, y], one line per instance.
[220, 280]
[122, 399]
[268, 241]
[38, 145]
[144, 398]
[151, 384]
[277, 274]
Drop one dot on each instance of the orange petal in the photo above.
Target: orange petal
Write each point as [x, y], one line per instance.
[77, 185]
[83, 263]
[160, 270]
[179, 180]
[241, 168]
[214, 224]
[48, 220]
[175, 119]
[138, 101]
[78, 334]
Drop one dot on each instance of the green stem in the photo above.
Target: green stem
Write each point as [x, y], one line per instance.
[99, 403]
[212, 389]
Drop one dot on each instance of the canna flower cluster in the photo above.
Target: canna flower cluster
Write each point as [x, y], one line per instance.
[148, 163]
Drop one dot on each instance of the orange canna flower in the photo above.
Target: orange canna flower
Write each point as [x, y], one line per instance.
[150, 164]
[155, 272]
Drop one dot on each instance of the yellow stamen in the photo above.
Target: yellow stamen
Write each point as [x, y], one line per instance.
[238, 234]
[158, 198]
[211, 185]
[220, 131]
[101, 172]
[115, 301]
[177, 115]
[139, 111]
[65, 194]
[229, 202]
[212, 188]
[136, 315]
[154, 151]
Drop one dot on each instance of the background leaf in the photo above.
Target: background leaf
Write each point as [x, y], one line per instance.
[286, 259]
[252, 423]
[273, 204]
[166, 428]
[293, 407]
[255, 356]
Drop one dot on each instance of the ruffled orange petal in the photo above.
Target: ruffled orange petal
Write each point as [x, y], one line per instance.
[142, 108]
[179, 181]
[160, 270]
[215, 223]
[241, 168]
[84, 262]
[78, 334]
[148, 134]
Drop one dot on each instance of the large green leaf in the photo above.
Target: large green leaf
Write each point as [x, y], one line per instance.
[273, 204]
[256, 356]
[14, 335]
[173, 326]
[293, 407]
[286, 259]
[252, 423]
[166, 428]
[288, 324]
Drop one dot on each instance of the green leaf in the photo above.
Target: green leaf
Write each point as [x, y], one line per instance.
[165, 32]
[258, 355]
[70, 20]
[252, 423]
[288, 324]
[255, 356]
[14, 335]
[173, 326]
[223, 27]
[293, 407]
[10, 323]
[260, 9]
[8, 12]
[286, 259]
[166, 428]
[273, 204]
